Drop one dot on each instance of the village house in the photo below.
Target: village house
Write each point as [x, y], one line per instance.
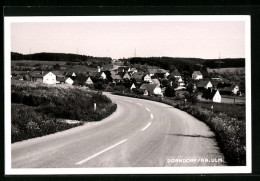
[212, 94]
[204, 84]
[89, 81]
[133, 69]
[155, 81]
[124, 75]
[176, 74]
[116, 78]
[180, 82]
[69, 81]
[230, 90]
[137, 77]
[152, 72]
[161, 73]
[98, 75]
[197, 75]
[151, 89]
[70, 74]
[147, 78]
[46, 78]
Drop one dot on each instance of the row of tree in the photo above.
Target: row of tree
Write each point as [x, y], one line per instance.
[60, 57]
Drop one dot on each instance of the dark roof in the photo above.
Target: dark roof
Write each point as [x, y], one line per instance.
[96, 74]
[155, 81]
[149, 87]
[202, 83]
[60, 78]
[230, 88]
[175, 73]
[116, 77]
[209, 93]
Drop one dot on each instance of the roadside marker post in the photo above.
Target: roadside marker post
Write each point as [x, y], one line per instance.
[95, 106]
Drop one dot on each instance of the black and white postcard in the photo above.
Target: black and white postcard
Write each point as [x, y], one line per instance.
[127, 95]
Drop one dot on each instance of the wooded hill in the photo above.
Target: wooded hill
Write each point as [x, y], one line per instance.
[59, 57]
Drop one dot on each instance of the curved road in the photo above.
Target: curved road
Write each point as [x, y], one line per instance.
[140, 133]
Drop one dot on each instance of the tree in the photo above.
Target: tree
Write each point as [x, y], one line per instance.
[169, 91]
[56, 66]
[165, 83]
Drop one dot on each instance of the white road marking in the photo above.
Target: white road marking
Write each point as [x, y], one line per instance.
[99, 153]
[146, 126]
[147, 109]
[139, 104]
[151, 116]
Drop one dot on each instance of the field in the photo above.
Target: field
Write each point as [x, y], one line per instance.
[34, 62]
[222, 70]
[39, 109]
[227, 100]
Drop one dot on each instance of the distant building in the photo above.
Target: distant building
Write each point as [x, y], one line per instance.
[204, 84]
[211, 94]
[197, 75]
[89, 81]
[151, 89]
[147, 78]
[232, 89]
[46, 78]
[176, 74]
[69, 81]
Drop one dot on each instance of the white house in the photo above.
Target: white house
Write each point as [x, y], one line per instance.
[49, 78]
[180, 82]
[197, 75]
[152, 89]
[216, 97]
[147, 78]
[69, 81]
[89, 81]
[204, 84]
[211, 94]
[133, 86]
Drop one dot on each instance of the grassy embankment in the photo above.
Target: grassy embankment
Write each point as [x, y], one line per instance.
[227, 122]
[39, 109]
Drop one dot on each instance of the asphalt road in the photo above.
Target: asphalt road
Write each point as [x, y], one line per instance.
[140, 133]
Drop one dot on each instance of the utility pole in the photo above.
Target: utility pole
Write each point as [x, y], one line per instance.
[219, 60]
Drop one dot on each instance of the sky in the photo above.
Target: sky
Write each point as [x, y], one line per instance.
[199, 39]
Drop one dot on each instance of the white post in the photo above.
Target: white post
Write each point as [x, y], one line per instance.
[95, 106]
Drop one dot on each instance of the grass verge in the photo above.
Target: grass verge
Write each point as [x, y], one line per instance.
[40, 109]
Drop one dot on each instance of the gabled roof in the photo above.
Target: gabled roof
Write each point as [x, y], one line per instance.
[149, 87]
[152, 71]
[175, 73]
[209, 93]
[155, 81]
[197, 72]
[116, 77]
[96, 74]
[38, 75]
[137, 75]
[61, 78]
[230, 88]
[202, 83]
[161, 71]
